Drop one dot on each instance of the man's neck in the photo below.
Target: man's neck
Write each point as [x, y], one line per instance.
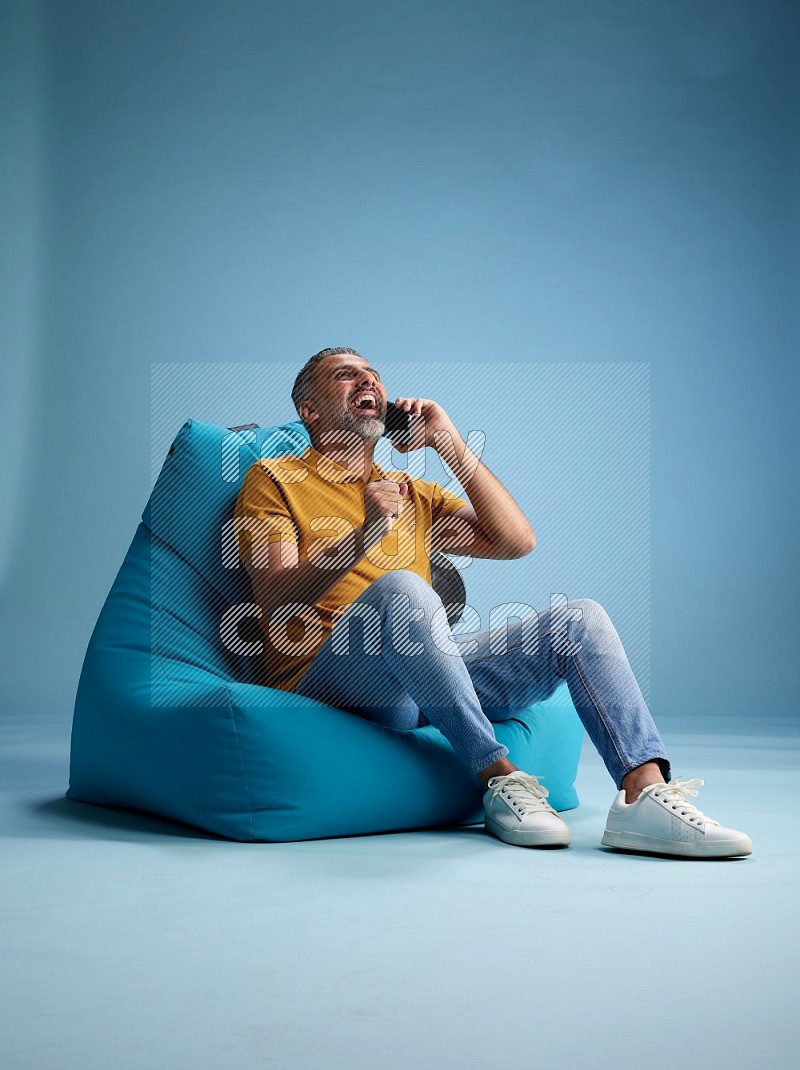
[357, 460]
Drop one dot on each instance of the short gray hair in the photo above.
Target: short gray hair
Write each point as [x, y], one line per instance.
[302, 384]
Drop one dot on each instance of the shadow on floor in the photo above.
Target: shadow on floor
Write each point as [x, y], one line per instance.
[79, 820]
[104, 822]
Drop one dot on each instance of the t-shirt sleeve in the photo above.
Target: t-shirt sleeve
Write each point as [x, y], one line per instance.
[261, 515]
[444, 502]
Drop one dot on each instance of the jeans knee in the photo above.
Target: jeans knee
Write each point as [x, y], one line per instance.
[590, 617]
[402, 581]
[590, 609]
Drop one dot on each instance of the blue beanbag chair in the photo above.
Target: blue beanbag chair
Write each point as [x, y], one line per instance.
[170, 717]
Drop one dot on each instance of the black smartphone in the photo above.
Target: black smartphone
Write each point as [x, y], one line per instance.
[397, 424]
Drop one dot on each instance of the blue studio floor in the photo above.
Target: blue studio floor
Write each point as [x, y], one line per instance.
[130, 942]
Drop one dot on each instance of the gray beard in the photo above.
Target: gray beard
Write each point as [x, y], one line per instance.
[370, 428]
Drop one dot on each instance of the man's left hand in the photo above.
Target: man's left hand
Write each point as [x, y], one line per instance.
[427, 417]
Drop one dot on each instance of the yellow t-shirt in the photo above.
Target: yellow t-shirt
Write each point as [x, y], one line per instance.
[313, 501]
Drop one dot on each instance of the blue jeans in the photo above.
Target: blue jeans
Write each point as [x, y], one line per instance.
[392, 658]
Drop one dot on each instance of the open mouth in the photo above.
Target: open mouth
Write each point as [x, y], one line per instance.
[366, 404]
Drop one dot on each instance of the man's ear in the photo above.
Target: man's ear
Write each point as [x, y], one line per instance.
[308, 414]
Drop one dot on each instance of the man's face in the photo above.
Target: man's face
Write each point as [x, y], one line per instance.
[347, 393]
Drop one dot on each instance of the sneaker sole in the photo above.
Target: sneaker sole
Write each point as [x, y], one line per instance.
[528, 837]
[632, 841]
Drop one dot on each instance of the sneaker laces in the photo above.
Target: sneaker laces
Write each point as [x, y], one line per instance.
[676, 796]
[524, 790]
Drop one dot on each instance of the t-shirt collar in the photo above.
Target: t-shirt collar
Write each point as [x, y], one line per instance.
[343, 475]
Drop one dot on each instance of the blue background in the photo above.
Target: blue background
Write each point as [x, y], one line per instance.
[439, 183]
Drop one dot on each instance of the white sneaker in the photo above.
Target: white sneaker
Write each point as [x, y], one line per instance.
[517, 812]
[663, 821]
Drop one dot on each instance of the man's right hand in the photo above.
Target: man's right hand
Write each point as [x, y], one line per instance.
[383, 504]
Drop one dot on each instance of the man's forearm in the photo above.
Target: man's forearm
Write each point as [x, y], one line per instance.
[500, 518]
[308, 582]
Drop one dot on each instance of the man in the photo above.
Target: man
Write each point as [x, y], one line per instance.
[410, 670]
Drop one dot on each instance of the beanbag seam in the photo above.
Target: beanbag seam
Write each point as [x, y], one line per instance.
[244, 765]
[223, 687]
